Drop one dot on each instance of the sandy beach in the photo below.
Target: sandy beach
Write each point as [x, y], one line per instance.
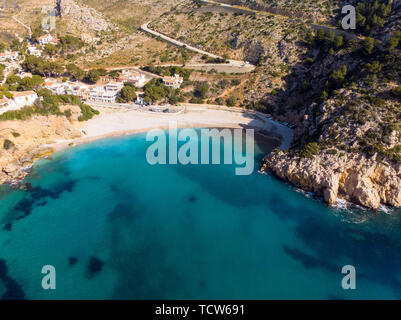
[113, 122]
[41, 136]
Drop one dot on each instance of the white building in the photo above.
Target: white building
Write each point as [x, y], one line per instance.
[4, 102]
[34, 51]
[136, 78]
[11, 55]
[173, 82]
[113, 86]
[100, 95]
[24, 98]
[54, 86]
[47, 38]
[20, 99]
[23, 74]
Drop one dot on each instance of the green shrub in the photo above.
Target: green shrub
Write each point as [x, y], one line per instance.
[8, 144]
[310, 150]
[230, 101]
[397, 91]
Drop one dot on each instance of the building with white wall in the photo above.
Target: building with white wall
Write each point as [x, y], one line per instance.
[20, 99]
[173, 82]
[9, 55]
[24, 98]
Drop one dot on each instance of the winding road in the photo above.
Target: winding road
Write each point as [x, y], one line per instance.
[235, 65]
[338, 32]
[241, 65]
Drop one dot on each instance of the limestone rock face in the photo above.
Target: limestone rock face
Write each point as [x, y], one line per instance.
[89, 16]
[354, 177]
[30, 143]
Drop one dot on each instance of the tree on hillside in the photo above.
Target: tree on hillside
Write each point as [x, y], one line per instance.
[3, 46]
[392, 43]
[114, 74]
[50, 49]
[75, 72]
[70, 43]
[127, 93]
[155, 91]
[93, 76]
[374, 67]
[201, 90]
[339, 75]
[368, 45]
[37, 32]
[32, 83]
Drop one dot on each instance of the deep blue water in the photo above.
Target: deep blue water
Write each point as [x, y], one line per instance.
[184, 232]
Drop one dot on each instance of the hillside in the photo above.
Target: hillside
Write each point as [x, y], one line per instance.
[340, 90]
[341, 93]
[268, 41]
[312, 10]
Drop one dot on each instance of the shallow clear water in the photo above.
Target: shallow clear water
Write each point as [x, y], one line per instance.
[184, 232]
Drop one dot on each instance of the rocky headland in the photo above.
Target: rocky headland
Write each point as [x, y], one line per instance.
[353, 177]
[24, 142]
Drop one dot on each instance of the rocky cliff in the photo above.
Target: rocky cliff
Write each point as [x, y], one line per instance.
[88, 16]
[353, 177]
[23, 142]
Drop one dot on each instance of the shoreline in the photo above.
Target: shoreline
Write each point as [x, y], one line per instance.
[113, 122]
[65, 144]
[97, 129]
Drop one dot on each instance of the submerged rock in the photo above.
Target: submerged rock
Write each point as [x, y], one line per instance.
[8, 227]
[13, 289]
[72, 260]
[95, 265]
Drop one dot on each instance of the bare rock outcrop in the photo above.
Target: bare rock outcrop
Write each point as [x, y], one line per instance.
[354, 177]
[31, 141]
[89, 16]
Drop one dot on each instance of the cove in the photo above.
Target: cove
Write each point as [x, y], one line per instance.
[116, 227]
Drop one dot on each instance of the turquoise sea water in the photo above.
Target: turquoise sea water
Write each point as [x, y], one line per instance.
[184, 232]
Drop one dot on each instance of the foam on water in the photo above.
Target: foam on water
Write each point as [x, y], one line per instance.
[136, 231]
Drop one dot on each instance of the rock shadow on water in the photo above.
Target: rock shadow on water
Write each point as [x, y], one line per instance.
[13, 289]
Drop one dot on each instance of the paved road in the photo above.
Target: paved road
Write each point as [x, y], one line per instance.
[315, 26]
[338, 32]
[233, 63]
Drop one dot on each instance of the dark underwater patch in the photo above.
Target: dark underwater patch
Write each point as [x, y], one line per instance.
[8, 226]
[192, 199]
[309, 261]
[375, 255]
[13, 289]
[334, 297]
[72, 261]
[95, 265]
[120, 211]
[36, 197]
